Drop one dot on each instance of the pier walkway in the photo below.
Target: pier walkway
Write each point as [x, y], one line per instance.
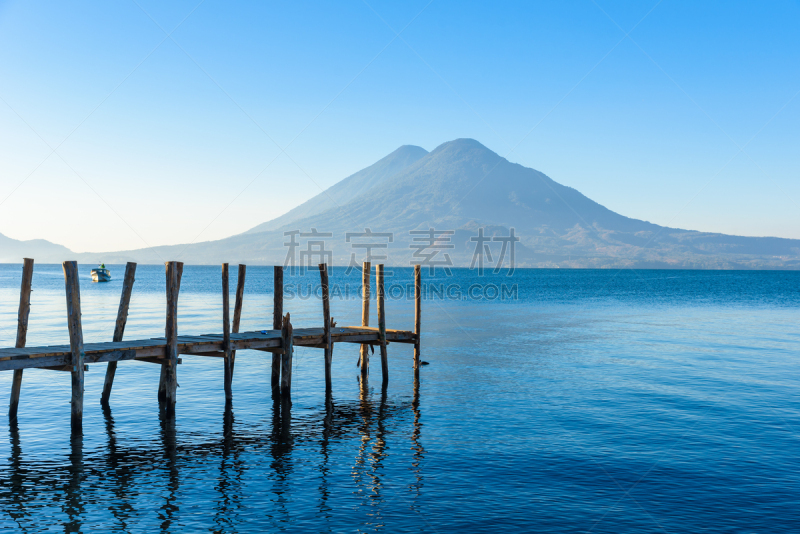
[154, 350]
[280, 341]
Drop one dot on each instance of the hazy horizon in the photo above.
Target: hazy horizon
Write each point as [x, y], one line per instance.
[193, 122]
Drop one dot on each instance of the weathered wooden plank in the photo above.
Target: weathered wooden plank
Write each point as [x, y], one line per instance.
[19, 352]
[417, 315]
[202, 347]
[265, 334]
[88, 348]
[197, 340]
[67, 368]
[151, 352]
[226, 333]
[365, 340]
[276, 350]
[237, 308]
[215, 353]
[366, 271]
[256, 344]
[114, 356]
[73, 291]
[155, 347]
[33, 363]
[28, 352]
[22, 332]
[382, 322]
[65, 359]
[246, 340]
[158, 360]
[241, 344]
[345, 333]
[326, 324]
[277, 322]
[286, 358]
[119, 328]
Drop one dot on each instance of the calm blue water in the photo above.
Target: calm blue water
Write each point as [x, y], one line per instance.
[584, 401]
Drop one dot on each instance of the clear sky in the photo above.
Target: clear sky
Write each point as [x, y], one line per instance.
[199, 120]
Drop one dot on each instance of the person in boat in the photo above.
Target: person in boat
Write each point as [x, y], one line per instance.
[102, 265]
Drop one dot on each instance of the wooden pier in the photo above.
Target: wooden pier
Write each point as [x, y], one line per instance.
[165, 351]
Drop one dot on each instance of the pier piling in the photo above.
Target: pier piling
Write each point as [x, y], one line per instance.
[22, 332]
[365, 289]
[277, 323]
[417, 316]
[237, 309]
[382, 322]
[75, 341]
[119, 328]
[287, 344]
[326, 319]
[226, 333]
[168, 386]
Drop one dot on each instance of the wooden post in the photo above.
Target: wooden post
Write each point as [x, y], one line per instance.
[277, 323]
[237, 308]
[168, 387]
[286, 357]
[119, 328]
[226, 332]
[73, 291]
[382, 322]
[22, 332]
[417, 314]
[326, 319]
[365, 289]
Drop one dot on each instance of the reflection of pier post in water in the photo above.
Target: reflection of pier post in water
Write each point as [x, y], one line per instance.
[31, 488]
[121, 508]
[280, 449]
[324, 470]
[169, 509]
[419, 450]
[365, 412]
[73, 505]
[17, 484]
[230, 475]
[369, 463]
[378, 454]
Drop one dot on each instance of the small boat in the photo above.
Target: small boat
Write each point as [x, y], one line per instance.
[101, 274]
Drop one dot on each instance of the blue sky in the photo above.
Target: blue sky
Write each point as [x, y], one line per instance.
[246, 110]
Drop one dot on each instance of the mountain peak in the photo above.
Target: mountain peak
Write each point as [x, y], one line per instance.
[463, 143]
[464, 149]
[408, 149]
[351, 187]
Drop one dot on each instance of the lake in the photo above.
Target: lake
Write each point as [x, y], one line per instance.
[555, 401]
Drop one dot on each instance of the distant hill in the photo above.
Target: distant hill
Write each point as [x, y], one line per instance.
[461, 187]
[13, 250]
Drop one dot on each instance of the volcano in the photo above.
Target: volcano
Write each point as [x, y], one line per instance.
[461, 189]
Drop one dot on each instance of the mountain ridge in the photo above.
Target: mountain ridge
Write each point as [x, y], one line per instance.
[343, 190]
[461, 186]
[13, 250]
